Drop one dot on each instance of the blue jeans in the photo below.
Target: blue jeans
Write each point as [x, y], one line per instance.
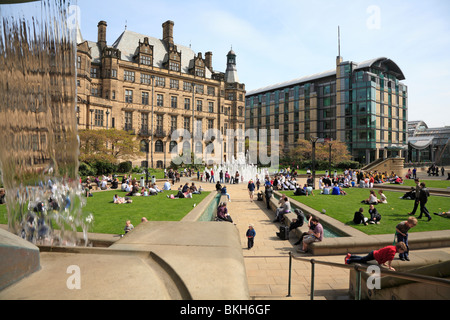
[360, 259]
[404, 239]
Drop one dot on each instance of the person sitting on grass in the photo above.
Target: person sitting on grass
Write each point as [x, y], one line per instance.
[120, 200]
[372, 198]
[359, 218]
[383, 198]
[375, 216]
[382, 256]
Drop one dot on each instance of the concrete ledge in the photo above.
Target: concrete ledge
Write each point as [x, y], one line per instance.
[19, 258]
[355, 241]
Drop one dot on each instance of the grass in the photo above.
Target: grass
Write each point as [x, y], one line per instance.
[342, 208]
[440, 184]
[110, 217]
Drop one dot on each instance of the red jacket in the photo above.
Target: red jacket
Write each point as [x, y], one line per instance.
[385, 254]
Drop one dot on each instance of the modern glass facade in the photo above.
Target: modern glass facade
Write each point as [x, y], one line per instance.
[364, 105]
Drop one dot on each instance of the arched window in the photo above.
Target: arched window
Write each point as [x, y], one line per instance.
[159, 164]
[173, 147]
[159, 147]
[198, 147]
[186, 147]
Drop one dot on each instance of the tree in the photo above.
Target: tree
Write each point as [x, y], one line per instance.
[303, 151]
[107, 145]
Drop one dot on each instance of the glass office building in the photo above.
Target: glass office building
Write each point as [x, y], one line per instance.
[363, 104]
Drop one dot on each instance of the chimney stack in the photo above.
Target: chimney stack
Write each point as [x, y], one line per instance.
[208, 60]
[168, 31]
[101, 38]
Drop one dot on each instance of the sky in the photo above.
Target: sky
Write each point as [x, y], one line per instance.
[277, 41]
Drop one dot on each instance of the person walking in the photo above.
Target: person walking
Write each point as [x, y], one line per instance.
[423, 199]
[251, 189]
[416, 201]
[251, 233]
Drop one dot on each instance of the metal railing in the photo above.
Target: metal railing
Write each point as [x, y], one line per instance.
[359, 269]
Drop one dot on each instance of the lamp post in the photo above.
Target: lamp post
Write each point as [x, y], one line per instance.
[107, 117]
[313, 141]
[151, 144]
[193, 119]
[91, 111]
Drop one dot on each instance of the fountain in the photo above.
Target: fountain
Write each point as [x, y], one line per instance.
[39, 149]
[247, 170]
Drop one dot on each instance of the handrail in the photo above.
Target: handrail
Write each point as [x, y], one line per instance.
[359, 268]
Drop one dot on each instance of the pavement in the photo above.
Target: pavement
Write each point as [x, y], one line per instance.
[267, 263]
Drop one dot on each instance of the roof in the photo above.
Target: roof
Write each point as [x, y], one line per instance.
[128, 43]
[381, 62]
[293, 82]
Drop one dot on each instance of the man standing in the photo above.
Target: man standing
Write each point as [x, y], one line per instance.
[251, 189]
[423, 199]
[416, 201]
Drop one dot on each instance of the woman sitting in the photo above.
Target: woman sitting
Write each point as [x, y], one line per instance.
[372, 198]
[383, 198]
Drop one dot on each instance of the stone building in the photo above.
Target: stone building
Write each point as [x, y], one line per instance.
[151, 87]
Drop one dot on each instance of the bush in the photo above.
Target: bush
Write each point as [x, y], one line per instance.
[125, 167]
[348, 165]
[86, 170]
[104, 167]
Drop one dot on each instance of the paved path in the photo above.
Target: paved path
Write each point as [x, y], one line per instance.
[267, 263]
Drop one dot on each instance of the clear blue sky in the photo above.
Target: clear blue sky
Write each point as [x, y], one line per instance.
[277, 41]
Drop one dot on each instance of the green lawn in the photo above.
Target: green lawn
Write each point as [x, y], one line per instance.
[343, 208]
[110, 218]
[441, 184]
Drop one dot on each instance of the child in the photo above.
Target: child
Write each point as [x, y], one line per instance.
[382, 256]
[128, 227]
[250, 236]
[402, 235]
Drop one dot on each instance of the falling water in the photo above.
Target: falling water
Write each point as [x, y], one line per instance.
[39, 142]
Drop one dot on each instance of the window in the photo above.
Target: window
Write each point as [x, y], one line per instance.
[174, 102]
[199, 105]
[210, 123]
[128, 121]
[146, 60]
[160, 82]
[173, 147]
[98, 118]
[173, 123]
[199, 89]
[129, 96]
[96, 91]
[144, 122]
[145, 98]
[187, 86]
[187, 103]
[159, 100]
[174, 84]
[94, 73]
[128, 76]
[159, 122]
[211, 106]
[159, 146]
[146, 78]
[211, 91]
[79, 62]
[187, 124]
[199, 72]
[174, 66]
